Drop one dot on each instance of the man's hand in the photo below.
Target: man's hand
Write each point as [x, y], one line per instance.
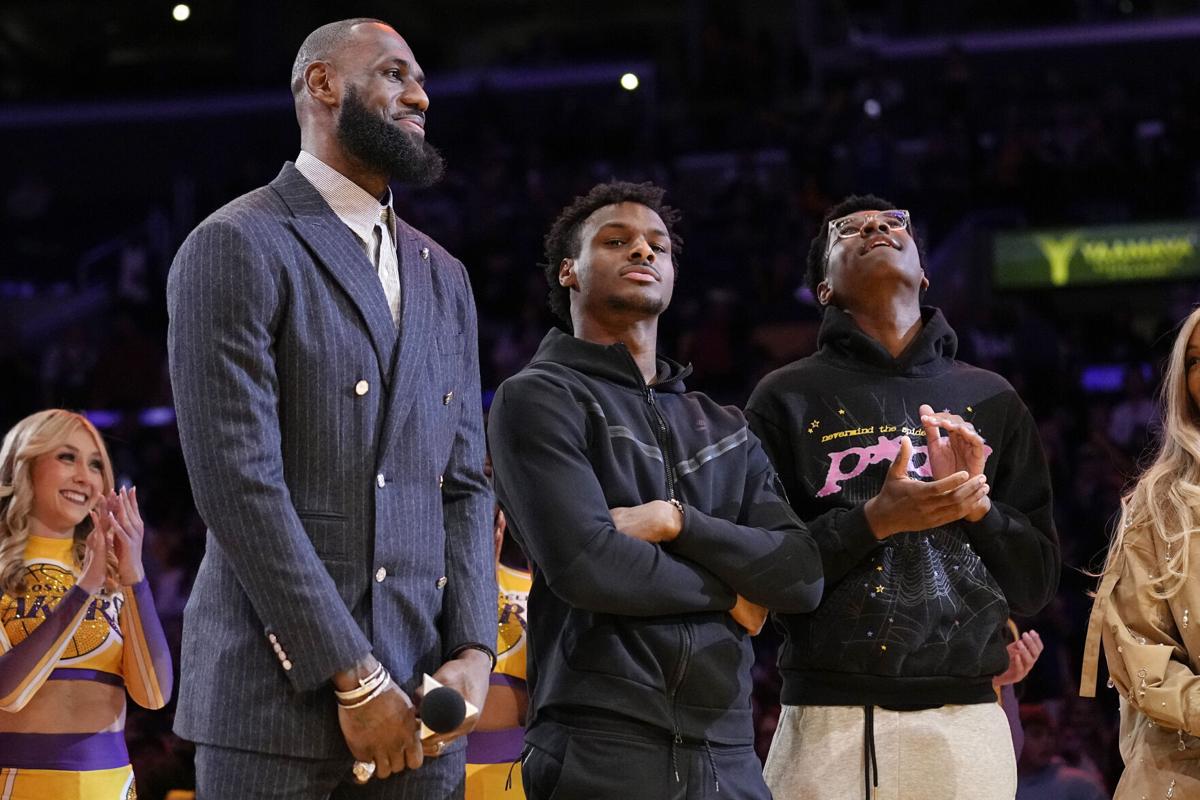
[750, 616]
[384, 730]
[1021, 656]
[905, 504]
[656, 521]
[961, 449]
[468, 675]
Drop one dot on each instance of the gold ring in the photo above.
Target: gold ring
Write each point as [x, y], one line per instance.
[440, 747]
[363, 770]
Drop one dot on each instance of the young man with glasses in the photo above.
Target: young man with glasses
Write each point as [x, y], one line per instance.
[933, 526]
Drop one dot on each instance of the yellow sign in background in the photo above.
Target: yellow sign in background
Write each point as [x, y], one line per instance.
[1096, 255]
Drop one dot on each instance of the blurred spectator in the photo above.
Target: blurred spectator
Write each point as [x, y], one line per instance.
[1041, 773]
[1130, 420]
[68, 366]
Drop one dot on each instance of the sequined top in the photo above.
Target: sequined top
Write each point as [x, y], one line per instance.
[511, 637]
[54, 630]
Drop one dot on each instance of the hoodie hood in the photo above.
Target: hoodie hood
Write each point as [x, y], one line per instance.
[611, 362]
[930, 353]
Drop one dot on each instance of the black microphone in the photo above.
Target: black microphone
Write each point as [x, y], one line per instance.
[443, 709]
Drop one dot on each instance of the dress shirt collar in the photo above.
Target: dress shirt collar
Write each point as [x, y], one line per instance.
[353, 205]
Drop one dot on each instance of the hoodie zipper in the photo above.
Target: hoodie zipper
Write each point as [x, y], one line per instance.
[685, 654]
[662, 432]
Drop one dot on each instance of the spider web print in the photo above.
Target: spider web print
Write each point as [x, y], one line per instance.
[922, 604]
[924, 590]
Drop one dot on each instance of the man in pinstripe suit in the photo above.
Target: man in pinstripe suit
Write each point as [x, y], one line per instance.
[324, 362]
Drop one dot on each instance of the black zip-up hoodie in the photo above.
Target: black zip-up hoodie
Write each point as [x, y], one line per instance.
[915, 620]
[616, 624]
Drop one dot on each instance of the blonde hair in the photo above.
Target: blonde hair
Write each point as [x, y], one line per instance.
[34, 436]
[1166, 497]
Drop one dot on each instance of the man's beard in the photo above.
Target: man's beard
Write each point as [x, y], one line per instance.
[383, 147]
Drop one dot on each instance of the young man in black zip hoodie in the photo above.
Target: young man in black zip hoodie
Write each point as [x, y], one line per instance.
[933, 526]
[653, 522]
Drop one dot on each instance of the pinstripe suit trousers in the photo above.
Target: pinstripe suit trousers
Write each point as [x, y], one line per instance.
[225, 773]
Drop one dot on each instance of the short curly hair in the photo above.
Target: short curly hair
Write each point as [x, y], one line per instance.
[818, 255]
[563, 240]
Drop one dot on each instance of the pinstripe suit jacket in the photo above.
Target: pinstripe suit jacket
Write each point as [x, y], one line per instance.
[336, 461]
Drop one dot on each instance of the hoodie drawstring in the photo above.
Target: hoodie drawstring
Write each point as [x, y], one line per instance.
[520, 760]
[712, 763]
[870, 765]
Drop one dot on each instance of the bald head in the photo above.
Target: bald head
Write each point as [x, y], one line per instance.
[322, 45]
[360, 101]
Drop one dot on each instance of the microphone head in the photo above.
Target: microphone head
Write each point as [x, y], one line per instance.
[443, 709]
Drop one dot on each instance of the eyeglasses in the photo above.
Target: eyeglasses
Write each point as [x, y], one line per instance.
[851, 226]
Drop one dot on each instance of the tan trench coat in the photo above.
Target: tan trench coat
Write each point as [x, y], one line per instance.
[1152, 648]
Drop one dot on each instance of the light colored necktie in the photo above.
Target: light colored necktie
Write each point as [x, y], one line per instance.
[386, 263]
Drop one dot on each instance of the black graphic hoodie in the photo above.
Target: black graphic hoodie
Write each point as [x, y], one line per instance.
[915, 620]
[616, 624]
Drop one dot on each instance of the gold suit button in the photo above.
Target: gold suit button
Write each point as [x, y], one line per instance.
[441, 582]
[380, 574]
[361, 388]
[447, 397]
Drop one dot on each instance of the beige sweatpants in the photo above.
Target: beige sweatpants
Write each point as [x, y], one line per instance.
[942, 753]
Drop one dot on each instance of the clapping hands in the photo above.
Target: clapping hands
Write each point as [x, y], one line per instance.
[119, 520]
[962, 449]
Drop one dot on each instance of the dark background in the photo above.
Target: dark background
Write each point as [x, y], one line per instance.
[122, 128]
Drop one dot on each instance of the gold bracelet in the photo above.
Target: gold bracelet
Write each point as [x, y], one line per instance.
[357, 694]
[365, 685]
[368, 683]
[387, 681]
